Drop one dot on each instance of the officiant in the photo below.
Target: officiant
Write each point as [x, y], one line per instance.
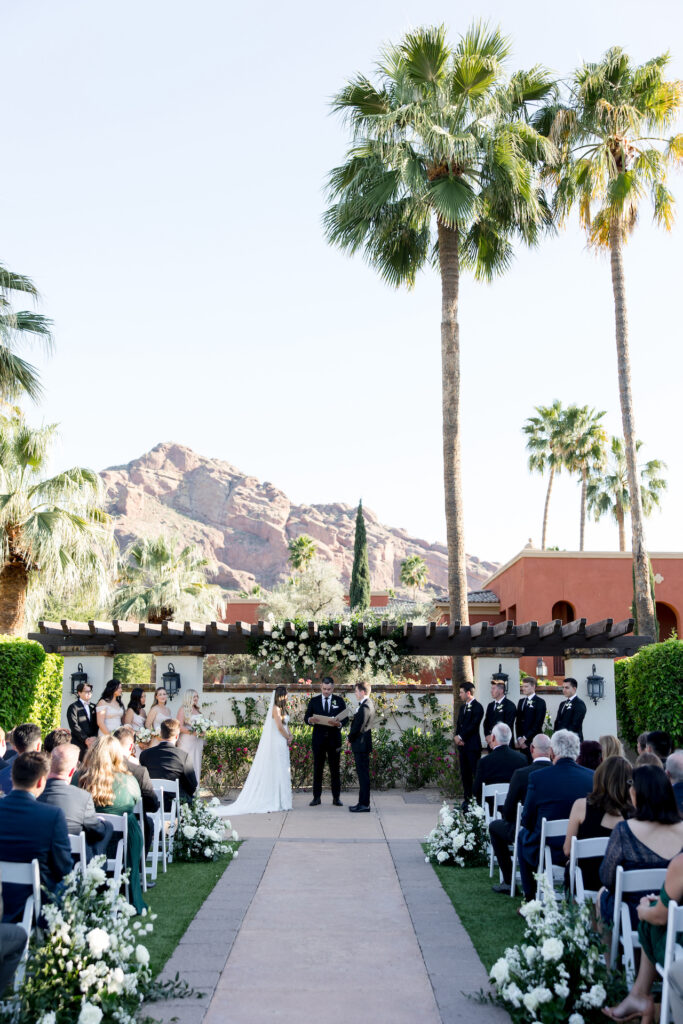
[327, 738]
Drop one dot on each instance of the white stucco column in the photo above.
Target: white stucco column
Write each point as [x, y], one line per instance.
[98, 665]
[190, 668]
[601, 718]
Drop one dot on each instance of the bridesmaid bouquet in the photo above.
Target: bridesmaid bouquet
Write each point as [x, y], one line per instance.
[143, 737]
[199, 725]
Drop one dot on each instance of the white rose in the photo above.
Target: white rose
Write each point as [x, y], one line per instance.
[290, 645]
[347, 639]
[98, 940]
[208, 852]
[48, 1018]
[500, 972]
[189, 831]
[576, 1018]
[513, 994]
[595, 997]
[90, 1014]
[115, 984]
[303, 635]
[142, 955]
[441, 856]
[561, 989]
[552, 949]
[352, 657]
[235, 836]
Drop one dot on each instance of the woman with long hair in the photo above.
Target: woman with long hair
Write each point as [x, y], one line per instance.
[158, 711]
[269, 785]
[189, 740]
[110, 708]
[596, 815]
[135, 712]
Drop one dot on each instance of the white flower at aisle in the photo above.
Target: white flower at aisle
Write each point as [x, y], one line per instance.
[202, 834]
[459, 838]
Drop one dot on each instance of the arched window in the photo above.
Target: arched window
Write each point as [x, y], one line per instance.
[667, 619]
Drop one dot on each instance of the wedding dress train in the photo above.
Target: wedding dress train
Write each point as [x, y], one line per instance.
[269, 785]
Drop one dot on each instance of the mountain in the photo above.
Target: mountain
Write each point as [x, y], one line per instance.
[244, 526]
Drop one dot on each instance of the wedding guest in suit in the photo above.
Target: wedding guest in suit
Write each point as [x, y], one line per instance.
[77, 804]
[501, 709]
[550, 794]
[530, 717]
[30, 829]
[81, 717]
[595, 815]
[360, 738]
[467, 738]
[326, 740]
[502, 830]
[501, 763]
[590, 754]
[674, 769]
[55, 739]
[611, 747]
[572, 710]
[658, 743]
[165, 761]
[26, 738]
[13, 938]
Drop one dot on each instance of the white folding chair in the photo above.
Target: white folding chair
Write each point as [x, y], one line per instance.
[673, 951]
[518, 822]
[27, 873]
[639, 880]
[580, 849]
[497, 791]
[551, 828]
[120, 861]
[139, 812]
[78, 849]
[171, 817]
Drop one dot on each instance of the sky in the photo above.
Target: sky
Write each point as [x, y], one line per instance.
[163, 184]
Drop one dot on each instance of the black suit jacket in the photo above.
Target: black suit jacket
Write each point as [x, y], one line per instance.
[518, 787]
[529, 720]
[467, 726]
[571, 717]
[498, 766]
[150, 801]
[30, 829]
[361, 742]
[78, 807]
[327, 736]
[166, 761]
[506, 714]
[550, 794]
[81, 727]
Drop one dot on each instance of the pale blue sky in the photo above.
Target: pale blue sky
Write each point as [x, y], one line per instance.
[163, 184]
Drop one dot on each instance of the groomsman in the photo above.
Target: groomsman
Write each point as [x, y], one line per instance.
[572, 710]
[467, 738]
[530, 717]
[501, 709]
[360, 738]
[82, 718]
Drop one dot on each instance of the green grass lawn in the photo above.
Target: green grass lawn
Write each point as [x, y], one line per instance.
[491, 921]
[176, 898]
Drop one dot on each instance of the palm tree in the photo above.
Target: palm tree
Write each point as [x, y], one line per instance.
[614, 151]
[440, 172]
[17, 326]
[608, 492]
[414, 573]
[586, 440]
[302, 551]
[55, 533]
[161, 581]
[547, 446]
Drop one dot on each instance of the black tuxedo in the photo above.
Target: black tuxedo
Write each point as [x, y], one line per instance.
[502, 831]
[570, 715]
[166, 761]
[498, 766]
[80, 814]
[361, 745]
[529, 719]
[467, 728]
[326, 743]
[30, 829]
[81, 727]
[499, 711]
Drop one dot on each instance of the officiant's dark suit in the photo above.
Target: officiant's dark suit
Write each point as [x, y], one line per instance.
[82, 720]
[529, 720]
[326, 742]
[467, 728]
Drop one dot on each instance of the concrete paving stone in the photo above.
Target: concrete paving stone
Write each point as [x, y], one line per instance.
[196, 958]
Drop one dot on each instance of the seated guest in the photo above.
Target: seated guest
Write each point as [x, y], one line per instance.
[115, 791]
[595, 815]
[650, 839]
[674, 769]
[502, 830]
[82, 718]
[611, 747]
[3, 747]
[77, 804]
[30, 829]
[150, 801]
[9, 753]
[25, 738]
[648, 758]
[641, 743]
[652, 920]
[54, 738]
[501, 763]
[12, 941]
[590, 754]
[658, 743]
[550, 794]
[165, 761]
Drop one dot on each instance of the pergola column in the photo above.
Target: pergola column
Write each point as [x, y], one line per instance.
[97, 662]
[601, 718]
[187, 663]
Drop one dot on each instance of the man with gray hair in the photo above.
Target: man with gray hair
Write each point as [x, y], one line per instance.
[674, 769]
[501, 763]
[550, 794]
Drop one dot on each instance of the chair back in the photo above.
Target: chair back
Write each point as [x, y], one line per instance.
[518, 823]
[24, 873]
[636, 880]
[78, 849]
[551, 828]
[581, 848]
[672, 952]
[119, 823]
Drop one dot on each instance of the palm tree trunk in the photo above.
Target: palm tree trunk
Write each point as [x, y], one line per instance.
[450, 397]
[546, 507]
[582, 528]
[641, 565]
[13, 587]
[619, 513]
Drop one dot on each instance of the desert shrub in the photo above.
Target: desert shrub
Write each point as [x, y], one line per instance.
[386, 763]
[30, 684]
[447, 775]
[652, 696]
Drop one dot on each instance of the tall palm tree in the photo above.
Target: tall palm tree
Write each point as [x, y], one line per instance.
[586, 441]
[615, 150]
[547, 446]
[608, 492]
[414, 573]
[441, 172]
[54, 531]
[302, 551]
[160, 580]
[18, 377]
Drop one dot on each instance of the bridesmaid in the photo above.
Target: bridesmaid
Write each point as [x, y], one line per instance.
[110, 708]
[135, 712]
[158, 711]
[188, 740]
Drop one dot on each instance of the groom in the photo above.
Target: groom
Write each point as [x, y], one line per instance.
[326, 740]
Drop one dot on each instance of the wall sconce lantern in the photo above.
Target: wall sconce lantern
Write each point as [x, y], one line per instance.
[541, 669]
[501, 678]
[596, 687]
[78, 677]
[171, 681]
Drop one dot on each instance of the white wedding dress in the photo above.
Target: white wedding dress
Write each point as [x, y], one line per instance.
[269, 784]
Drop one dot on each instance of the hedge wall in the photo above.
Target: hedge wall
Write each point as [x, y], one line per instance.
[30, 684]
[649, 691]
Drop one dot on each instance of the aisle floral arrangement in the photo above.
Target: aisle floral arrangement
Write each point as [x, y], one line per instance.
[93, 967]
[304, 650]
[201, 835]
[460, 837]
[559, 972]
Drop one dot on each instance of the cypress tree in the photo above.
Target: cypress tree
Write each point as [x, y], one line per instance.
[359, 592]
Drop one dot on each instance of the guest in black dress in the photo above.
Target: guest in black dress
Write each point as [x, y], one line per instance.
[597, 814]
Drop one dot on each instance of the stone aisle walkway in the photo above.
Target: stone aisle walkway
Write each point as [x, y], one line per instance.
[332, 917]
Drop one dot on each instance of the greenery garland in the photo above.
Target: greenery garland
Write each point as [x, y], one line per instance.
[303, 650]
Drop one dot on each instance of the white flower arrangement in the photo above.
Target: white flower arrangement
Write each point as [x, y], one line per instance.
[326, 649]
[199, 725]
[90, 967]
[202, 834]
[145, 735]
[558, 972]
[460, 837]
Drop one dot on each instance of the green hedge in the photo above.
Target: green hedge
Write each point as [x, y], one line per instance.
[133, 669]
[30, 684]
[649, 691]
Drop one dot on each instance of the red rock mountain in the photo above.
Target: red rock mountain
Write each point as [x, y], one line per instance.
[244, 526]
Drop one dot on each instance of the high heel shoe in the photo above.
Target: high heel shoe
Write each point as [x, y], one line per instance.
[646, 1016]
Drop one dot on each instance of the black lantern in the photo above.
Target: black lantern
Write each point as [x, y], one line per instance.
[501, 678]
[596, 687]
[78, 677]
[541, 668]
[171, 681]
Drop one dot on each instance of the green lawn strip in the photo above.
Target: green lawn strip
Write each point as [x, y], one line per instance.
[175, 900]
[490, 920]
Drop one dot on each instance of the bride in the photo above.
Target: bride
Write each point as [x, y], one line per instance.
[269, 785]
